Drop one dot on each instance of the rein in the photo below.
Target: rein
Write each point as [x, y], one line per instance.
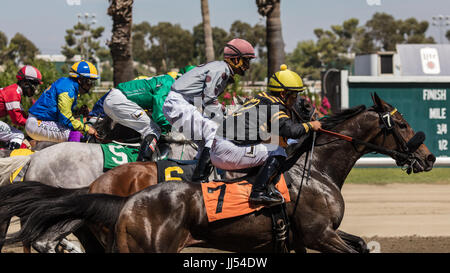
[376, 148]
[403, 158]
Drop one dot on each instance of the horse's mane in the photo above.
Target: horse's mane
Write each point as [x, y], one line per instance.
[337, 118]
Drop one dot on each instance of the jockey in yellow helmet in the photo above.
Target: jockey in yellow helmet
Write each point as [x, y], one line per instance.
[251, 136]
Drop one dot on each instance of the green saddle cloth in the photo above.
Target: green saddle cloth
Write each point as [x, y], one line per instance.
[116, 154]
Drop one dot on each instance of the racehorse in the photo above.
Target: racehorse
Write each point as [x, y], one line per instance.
[169, 216]
[72, 165]
[36, 147]
[122, 180]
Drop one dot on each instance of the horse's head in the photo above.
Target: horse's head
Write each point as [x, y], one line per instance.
[396, 134]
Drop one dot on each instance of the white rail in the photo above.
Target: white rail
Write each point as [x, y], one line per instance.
[389, 162]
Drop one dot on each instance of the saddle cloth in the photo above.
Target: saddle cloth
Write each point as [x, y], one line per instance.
[225, 200]
[116, 154]
[18, 175]
[175, 170]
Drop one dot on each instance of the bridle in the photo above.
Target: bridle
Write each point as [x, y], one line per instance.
[405, 156]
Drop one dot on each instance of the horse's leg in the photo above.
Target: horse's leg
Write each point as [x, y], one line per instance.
[299, 249]
[357, 243]
[297, 243]
[3, 231]
[329, 241]
[25, 245]
[50, 240]
[88, 240]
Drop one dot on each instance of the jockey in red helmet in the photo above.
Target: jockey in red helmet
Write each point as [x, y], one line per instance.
[28, 78]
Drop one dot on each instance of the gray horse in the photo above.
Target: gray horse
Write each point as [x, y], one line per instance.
[75, 165]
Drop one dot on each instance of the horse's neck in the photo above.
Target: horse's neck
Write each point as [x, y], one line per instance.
[333, 158]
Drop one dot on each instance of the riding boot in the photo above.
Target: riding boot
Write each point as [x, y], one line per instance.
[147, 148]
[204, 167]
[75, 136]
[13, 145]
[260, 194]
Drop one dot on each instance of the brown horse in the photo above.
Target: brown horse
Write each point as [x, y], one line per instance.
[167, 217]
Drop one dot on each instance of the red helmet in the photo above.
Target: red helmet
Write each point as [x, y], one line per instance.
[29, 72]
[238, 48]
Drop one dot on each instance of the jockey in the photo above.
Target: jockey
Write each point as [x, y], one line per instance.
[250, 136]
[51, 118]
[184, 70]
[200, 88]
[127, 103]
[28, 78]
[97, 111]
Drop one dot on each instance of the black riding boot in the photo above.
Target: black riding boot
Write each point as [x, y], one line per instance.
[147, 148]
[260, 194]
[204, 167]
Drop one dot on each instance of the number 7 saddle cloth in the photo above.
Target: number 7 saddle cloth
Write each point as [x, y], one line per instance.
[225, 200]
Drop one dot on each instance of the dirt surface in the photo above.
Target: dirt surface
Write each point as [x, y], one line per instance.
[393, 218]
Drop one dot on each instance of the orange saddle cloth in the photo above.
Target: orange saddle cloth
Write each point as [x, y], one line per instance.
[225, 200]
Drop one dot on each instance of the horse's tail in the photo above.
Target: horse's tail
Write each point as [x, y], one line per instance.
[95, 208]
[9, 165]
[20, 199]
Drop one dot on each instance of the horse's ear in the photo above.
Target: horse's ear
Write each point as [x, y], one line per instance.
[377, 102]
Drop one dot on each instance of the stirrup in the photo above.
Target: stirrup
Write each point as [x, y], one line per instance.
[265, 198]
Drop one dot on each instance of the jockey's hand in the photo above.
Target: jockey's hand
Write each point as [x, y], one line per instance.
[316, 125]
[92, 131]
[317, 115]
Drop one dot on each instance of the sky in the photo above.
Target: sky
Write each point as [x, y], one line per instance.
[44, 22]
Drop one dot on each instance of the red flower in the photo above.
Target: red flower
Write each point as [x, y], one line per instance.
[325, 103]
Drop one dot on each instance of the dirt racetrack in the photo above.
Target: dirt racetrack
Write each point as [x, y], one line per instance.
[394, 218]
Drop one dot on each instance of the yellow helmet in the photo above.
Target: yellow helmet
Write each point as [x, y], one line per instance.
[173, 74]
[83, 69]
[286, 80]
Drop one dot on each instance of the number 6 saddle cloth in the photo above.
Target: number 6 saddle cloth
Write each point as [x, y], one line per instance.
[225, 200]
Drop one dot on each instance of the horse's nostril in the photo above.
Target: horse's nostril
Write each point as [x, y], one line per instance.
[431, 158]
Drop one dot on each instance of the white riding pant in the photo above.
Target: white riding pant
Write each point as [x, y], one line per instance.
[188, 120]
[129, 114]
[226, 155]
[42, 130]
[10, 134]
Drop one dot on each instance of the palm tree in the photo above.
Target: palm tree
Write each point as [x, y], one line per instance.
[209, 48]
[274, 38]
[120, 44]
